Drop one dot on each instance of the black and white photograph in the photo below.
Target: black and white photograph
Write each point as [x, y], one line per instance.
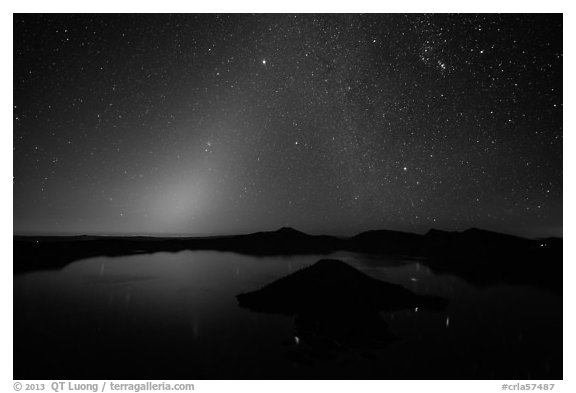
[287, 196]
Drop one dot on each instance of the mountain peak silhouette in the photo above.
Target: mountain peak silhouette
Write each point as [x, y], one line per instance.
[290, 231]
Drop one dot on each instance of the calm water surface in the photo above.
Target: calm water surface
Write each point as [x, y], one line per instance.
[175, 315]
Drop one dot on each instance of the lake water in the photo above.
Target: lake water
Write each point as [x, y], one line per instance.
[175, 315]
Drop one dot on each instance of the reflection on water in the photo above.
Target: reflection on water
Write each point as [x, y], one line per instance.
[176, 316]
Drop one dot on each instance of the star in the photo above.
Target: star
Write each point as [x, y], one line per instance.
[333, 113]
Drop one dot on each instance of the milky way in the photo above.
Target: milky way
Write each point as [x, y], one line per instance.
[209, 124]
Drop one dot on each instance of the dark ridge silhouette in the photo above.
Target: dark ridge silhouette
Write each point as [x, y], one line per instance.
[481, 257]
[387, 241]
[484, 257]
[283, 241]
[335, 306]
[54, 252]
[474, 240]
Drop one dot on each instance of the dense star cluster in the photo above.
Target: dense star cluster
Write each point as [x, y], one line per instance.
[196, 124]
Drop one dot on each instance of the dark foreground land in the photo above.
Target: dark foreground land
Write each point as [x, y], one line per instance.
[338, 313]
[478, 256]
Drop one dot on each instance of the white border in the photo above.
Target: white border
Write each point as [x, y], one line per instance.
[230, 6]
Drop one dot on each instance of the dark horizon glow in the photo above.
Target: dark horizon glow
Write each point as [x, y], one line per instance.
[331, 124]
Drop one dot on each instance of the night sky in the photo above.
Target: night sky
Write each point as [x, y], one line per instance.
[221, 124]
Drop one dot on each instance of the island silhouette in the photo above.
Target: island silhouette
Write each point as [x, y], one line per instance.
[335, 306]
[338, 315]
